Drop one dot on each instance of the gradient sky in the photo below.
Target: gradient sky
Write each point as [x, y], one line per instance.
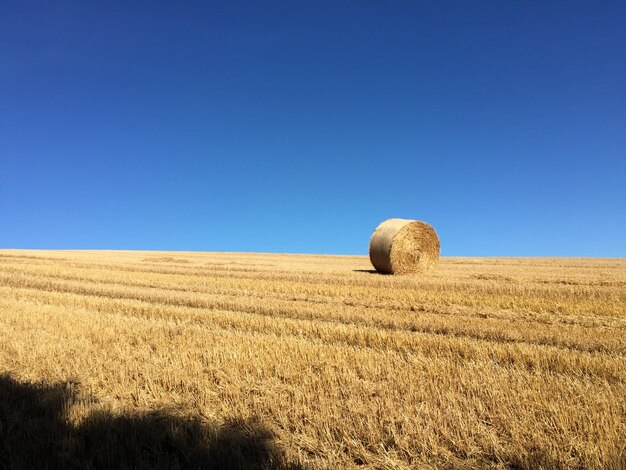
[299, 126]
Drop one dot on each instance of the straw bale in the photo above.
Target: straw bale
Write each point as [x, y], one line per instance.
[401, 246]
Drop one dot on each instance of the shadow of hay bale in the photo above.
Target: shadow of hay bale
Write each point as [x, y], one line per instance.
[35, 433]
[371, 271]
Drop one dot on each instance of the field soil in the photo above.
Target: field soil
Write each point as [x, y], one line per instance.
[231, 360]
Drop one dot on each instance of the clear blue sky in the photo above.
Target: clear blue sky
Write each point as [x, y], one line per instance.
[299, 126]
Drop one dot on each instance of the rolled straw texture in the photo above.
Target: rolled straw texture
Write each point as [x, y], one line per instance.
[400, 246]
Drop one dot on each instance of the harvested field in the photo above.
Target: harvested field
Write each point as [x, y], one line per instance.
[309, 361]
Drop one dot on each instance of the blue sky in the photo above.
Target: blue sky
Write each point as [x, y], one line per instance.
[299, 126]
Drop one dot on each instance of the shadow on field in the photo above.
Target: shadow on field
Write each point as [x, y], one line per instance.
[35, 433]
[369, 271]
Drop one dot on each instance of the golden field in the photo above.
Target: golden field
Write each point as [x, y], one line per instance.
[182, 360]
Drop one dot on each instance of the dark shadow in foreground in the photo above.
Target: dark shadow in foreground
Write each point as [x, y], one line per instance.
[35, 433]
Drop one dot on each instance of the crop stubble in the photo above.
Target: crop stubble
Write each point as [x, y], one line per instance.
[486, 362]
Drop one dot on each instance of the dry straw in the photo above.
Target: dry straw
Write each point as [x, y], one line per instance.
[400, 246]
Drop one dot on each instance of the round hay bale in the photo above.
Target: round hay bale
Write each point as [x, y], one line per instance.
[400, 246]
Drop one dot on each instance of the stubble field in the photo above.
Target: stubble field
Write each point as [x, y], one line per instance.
[176, 360]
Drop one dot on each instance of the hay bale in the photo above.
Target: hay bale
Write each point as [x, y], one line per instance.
[400, 246]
